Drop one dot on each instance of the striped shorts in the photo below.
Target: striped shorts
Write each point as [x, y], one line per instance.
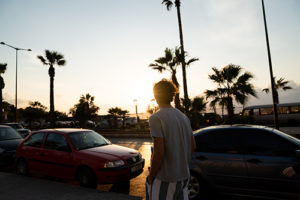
[161, 190]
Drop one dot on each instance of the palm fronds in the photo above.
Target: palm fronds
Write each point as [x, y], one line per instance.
[168, 4]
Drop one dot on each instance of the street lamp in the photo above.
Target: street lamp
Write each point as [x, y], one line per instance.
[136, 110]
[275, 113]
[16, 94]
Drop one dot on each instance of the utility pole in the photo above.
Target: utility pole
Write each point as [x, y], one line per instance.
[275, 111]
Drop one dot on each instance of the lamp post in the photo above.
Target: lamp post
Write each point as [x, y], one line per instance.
[136, 110]
[275, 112]
[16, 93]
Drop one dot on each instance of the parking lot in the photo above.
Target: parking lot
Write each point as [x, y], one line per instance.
[134, 187]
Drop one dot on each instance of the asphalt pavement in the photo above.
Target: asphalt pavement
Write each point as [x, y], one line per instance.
[15, 187]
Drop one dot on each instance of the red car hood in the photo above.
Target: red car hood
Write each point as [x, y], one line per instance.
[113, 150]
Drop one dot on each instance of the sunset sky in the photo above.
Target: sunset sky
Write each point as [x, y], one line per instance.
[108, 46]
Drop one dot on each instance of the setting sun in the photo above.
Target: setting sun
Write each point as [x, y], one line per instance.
[143, 94]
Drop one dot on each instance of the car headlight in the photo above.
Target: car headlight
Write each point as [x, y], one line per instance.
[112, 164]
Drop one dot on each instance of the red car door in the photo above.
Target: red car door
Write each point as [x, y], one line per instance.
[31, 150]
[57, 156]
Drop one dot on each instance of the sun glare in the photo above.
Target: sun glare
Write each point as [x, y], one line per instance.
[143, 95]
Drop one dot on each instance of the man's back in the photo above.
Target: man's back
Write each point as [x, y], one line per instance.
[174, 127]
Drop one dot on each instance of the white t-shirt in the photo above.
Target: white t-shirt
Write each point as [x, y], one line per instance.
[174, 127]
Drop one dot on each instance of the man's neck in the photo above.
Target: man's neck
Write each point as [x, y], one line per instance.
[165, 106]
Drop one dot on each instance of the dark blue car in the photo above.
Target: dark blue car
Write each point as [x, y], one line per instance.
[9, 141]
[244, 160]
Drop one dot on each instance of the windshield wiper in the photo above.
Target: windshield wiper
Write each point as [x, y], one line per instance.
[99, 145]
[92, 146]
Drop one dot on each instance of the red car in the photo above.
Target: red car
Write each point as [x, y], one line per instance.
[79, 154]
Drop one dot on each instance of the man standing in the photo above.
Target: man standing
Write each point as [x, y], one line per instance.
[174, 145]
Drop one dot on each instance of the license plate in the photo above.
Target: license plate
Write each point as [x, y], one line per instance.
[136, 168]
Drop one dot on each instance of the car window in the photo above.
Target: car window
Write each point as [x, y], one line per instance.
[35, 140]
[227, 141]
[266, 143]
[7, 133]
[218, 141]
[56, 141]
[87, 139]
[204, 142]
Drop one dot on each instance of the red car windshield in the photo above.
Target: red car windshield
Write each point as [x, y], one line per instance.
[87, 139]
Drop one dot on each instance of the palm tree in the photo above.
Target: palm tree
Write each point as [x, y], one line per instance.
[2, 85]
[115, 112]
[51, 58]
[169, 62]
[278, 84]
[195, 108]
[123, 113]
[231, 84]
[169, 5]
[85, 109]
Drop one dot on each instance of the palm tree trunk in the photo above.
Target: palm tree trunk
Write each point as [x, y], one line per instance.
[177, 99]
[1, 102]
[215, 110]
[276, 97]
[52, 74]
[116, 121]
[230, 108]
[222, 111]
[177, 3]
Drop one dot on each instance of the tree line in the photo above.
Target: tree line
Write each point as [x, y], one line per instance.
[233, 85]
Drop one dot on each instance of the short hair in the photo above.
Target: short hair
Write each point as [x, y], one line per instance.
[164, 91]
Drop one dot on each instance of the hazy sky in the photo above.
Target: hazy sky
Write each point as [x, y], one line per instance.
[108, 46]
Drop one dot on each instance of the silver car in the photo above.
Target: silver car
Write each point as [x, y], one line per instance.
[244, 160]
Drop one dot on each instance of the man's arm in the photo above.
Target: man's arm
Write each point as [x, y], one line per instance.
[158, 154]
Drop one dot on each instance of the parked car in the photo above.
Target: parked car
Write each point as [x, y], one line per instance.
[244, 160]
[79, 154]
[18, 127]
[9, 141]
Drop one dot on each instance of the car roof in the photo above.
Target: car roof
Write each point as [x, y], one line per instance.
[4, 126]
[233, 126]
[248, 126]
[63, 130]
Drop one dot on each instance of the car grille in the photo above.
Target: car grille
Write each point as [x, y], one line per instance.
[133, 160]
